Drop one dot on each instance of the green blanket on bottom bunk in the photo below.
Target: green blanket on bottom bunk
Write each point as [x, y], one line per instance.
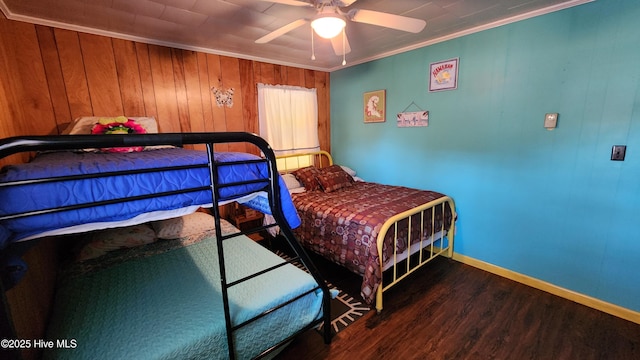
[169, 305]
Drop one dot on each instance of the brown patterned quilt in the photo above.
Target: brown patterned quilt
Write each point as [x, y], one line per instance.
[343, 225]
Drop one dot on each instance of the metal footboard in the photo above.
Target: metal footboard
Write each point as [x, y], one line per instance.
[438, 242]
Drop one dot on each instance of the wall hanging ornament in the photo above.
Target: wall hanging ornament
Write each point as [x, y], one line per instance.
[413, 118]
[223, 98]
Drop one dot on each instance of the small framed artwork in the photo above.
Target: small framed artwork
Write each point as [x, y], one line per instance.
[375, 106]
[413, 119]
[443, 75]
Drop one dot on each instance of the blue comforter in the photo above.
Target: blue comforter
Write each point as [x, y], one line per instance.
[17, 199]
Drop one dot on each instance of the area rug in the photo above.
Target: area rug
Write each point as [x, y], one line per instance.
[345, 309]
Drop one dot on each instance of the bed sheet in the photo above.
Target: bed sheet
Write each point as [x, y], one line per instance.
[22, 198]
[343, 225]
[168, 305]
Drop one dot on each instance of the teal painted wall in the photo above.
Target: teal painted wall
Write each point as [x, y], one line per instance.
[548, 204]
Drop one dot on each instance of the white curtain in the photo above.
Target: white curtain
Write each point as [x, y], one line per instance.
[288, 117]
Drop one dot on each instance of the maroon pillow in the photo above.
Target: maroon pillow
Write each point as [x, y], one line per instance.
[333, 178]
[307, 176]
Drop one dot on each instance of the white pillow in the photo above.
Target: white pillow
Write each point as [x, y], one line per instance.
[103, 241]
[348, 170]
[83, 125]
[184, 226]
[291, 181]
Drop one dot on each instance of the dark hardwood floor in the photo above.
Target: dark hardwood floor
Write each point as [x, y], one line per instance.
[449, 310]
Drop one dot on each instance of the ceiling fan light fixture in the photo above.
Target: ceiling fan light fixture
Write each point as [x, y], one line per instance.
[328, 26]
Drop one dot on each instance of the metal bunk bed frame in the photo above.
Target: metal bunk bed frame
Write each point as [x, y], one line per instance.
[14, 145]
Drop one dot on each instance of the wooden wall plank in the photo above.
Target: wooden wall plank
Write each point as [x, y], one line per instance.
[295, 76]
[32, 88]
[102, 78]
[192, 86]
[205, 92]
[9, 97]
[309, 78]
[8, 103]
[193, 95]
[279, 76]
[146, 79]
[324, 119]
[177, 62]
[256, 72]
[198, 94]
[267, 74]
[215, 81]
[249, 94]
[128, 73]
[73, 73]
[164, 88]
[55, 81]
[231, 80]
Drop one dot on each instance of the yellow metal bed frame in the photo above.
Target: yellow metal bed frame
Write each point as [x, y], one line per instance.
[430, 245]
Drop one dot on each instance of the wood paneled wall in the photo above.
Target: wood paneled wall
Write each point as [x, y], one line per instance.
[50, 76]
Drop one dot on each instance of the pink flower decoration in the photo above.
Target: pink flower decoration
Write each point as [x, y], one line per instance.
[128, 127]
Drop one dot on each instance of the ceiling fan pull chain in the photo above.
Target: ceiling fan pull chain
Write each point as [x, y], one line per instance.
[344, 46]
[313, 51]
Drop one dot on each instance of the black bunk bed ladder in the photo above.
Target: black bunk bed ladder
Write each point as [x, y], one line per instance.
[272, 188]
[215, 195]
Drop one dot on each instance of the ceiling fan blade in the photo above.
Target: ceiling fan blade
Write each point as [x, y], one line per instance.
[289, 2]
[281, 31]
[336, 42]
[378, 18]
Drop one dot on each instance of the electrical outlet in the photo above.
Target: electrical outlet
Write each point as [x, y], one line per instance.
[618, 152]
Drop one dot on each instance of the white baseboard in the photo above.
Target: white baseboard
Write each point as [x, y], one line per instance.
[591, 302]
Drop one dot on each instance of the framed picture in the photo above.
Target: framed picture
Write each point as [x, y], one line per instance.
[443, 75]
[375, 106]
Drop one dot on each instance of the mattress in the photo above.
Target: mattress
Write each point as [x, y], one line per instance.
[71, 193]
[168, 305]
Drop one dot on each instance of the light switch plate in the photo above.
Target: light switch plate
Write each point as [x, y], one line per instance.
[551, 120]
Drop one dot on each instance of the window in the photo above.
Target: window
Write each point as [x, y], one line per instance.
[288, 118]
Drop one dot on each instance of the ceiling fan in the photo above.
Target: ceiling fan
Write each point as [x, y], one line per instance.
[330, 20]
